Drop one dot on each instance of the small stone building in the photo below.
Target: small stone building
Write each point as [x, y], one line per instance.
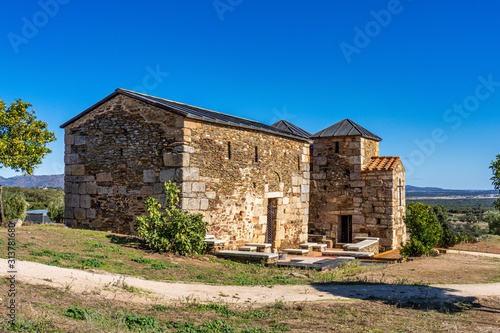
[354, 191]
[251, 181]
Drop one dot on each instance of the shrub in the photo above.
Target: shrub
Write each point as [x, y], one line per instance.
[80, 313]
[14, 205]
[172, 229]
[424, 228]
[493, 219]
[56, 210]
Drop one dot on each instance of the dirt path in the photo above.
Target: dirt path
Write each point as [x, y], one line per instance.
[122, 288]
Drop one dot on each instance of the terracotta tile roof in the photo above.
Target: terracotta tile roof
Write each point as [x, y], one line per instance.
[383, 163]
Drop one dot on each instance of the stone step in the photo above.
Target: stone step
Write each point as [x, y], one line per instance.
[319, 247]
[316, 263]
[261, 247]
[248, 248]
[243, 256]
[209, 236]
[302, 252]
[307, 246]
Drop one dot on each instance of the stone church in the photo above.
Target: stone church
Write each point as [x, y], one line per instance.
[252, 182]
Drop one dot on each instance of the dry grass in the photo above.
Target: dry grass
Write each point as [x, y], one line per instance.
[443, 269]
[44, 308]
[489, 244]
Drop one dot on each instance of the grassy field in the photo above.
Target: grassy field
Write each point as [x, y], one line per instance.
[102, 251]
[46, 309]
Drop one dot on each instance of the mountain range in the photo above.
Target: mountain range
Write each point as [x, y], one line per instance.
[411, 191]
[33, 181]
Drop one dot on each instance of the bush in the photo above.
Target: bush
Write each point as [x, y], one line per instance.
[493, 219]
[172, 229]
[56, 210]
[14, 205]
[424, 228]
[80, 313]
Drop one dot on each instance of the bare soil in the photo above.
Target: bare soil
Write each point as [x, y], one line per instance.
[489, 245]
[443, 269]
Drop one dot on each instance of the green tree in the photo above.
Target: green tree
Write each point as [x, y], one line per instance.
[424, 228]
[495, 168]
[493, 219]
[15, 205]
[448, 237]
[23, 140]
[56, 210]
[172, 229]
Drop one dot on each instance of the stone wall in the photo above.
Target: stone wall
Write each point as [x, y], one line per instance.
[114, 162]
[237, 171]
[123, 151]
[382, 209]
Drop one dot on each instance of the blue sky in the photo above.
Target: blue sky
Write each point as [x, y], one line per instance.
[421, 74]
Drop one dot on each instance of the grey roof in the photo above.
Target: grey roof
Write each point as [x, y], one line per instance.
[290, 128]
[346, 127]
[189, 111]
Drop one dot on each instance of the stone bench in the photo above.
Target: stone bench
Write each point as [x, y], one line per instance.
[355, 254]
[243, 256]
[215, 244]
[366, 245]
[313, 246]
[320, 239]
[261, 247]
[248, 248]
[308, 246]
[209, 237]
[301, 252]
[215, 241]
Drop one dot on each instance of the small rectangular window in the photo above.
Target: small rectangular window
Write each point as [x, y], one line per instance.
[229, 150]
[337, 147]
[256, 154]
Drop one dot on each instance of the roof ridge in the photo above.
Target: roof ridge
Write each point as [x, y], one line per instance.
[192, 106]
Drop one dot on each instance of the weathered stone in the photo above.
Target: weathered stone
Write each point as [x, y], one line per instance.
[175, 159]
[69, 139]
[80, 213]
[104, 177]
[148, 176]
[167, 175]
[85, 201]
[198, 187]
[71, 159]
[91, 188]
[187, 174]
[72, 200]
[77, 170]
[91, 213]
[68, 213]
[184, 148]
[80, 140]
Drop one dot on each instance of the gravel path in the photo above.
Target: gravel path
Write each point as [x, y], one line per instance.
[115, 287]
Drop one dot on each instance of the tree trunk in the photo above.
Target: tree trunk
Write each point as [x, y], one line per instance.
[1, 208]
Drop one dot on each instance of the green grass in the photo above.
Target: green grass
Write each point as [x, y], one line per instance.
[88, 249]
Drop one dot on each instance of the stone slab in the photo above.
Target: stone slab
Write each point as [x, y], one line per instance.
[247, 256]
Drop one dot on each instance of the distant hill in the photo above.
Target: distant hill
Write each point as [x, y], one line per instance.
[33, 181]
[414, 191]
